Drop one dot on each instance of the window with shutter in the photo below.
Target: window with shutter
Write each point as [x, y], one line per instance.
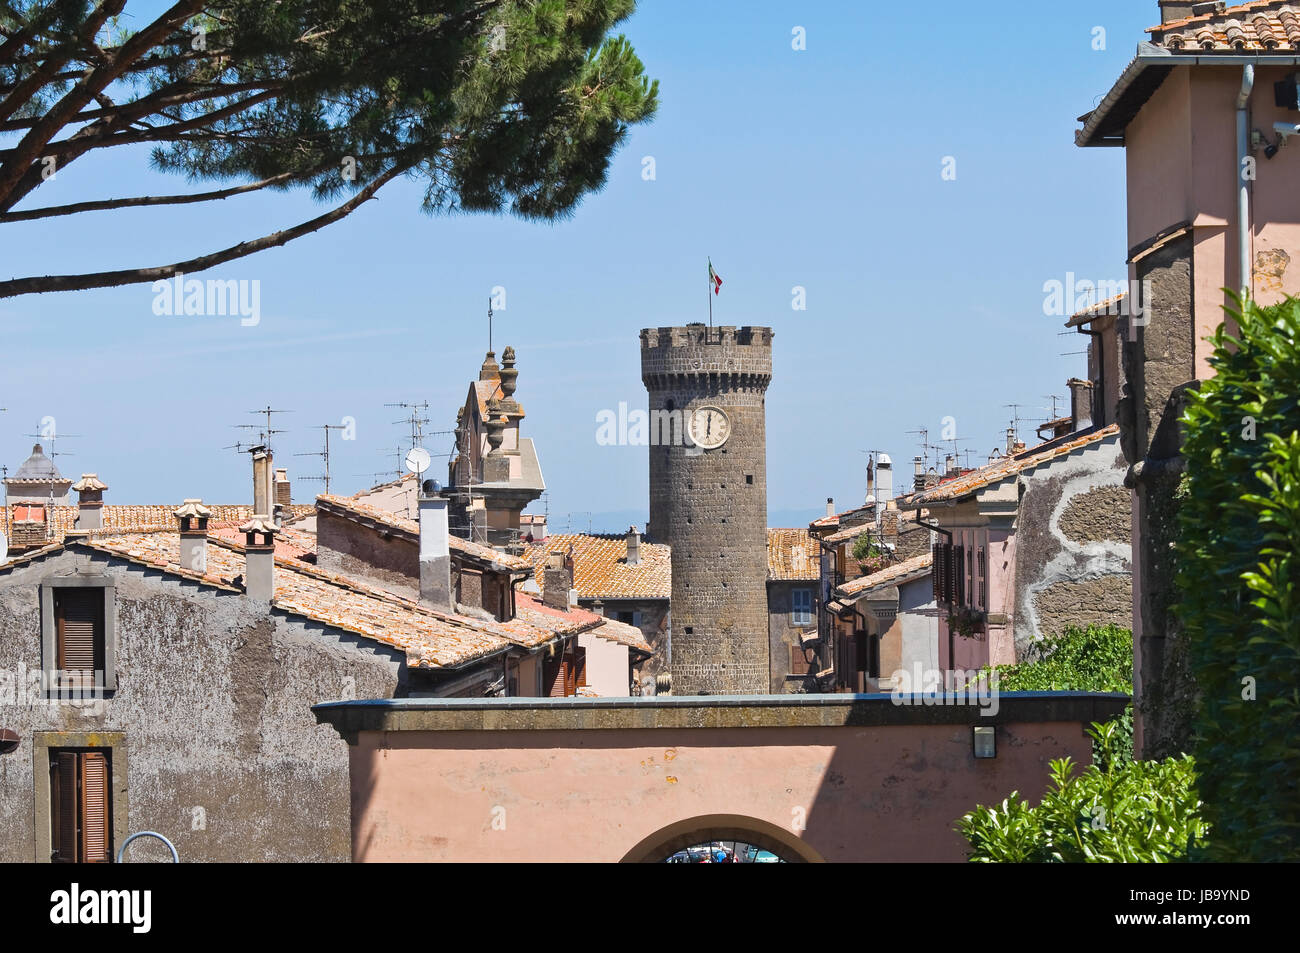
[580, 666]
[981, 569]
[81, 826]
[801, 607]
[79, 625]
[555, 674]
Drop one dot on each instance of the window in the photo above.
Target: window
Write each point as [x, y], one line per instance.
[78, 633]
[565, 673]
[801, 603]
[81, 831]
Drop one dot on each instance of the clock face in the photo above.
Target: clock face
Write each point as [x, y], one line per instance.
[710, 428]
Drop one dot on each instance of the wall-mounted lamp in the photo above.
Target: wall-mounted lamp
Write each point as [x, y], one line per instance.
[8, 740]
[984, 742]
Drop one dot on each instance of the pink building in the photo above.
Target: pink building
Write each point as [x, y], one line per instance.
[1206, 113]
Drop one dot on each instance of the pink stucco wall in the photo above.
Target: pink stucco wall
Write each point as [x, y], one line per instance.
[1182, 166]
[860, 794]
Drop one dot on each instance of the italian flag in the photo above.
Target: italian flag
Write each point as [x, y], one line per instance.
[714, 279]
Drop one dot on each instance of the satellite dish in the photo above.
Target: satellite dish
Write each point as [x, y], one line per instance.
[418, 460]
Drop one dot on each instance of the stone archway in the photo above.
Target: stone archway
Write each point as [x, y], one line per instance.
[721, 827]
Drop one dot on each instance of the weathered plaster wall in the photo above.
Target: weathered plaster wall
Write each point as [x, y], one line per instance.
[224, 755]
[1074, 557]
[389, 562]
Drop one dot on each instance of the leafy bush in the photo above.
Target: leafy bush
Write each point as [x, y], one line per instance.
[1098, 658]
[1126, 811]
[1239, 574]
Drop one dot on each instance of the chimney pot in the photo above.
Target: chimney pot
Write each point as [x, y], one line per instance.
[259, 558]
[193, 519]
[830, 506]
[435, 553]
[283, 494]
[633, 547]
[90, 501]
[1081, 409]
[557, 581]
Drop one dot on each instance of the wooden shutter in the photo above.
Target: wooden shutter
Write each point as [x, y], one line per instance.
[570, 676]
[94, 808]
[555, 675]
[63, 807]
[936, 571]
[580, 666]
[79, 625]
[982, 573]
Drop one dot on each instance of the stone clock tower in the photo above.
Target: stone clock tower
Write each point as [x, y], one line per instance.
[708, 499]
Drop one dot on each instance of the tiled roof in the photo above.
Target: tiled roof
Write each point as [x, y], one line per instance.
[889, 576]
[1265, 26]
[624, 634]
[1113, 305]
[124, 519]
[600, 569]
[355, 509]
[1007, 467]
[430, 639]
[792, 554]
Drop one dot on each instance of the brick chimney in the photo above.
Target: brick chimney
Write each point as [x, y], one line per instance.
[557, 581]
[259, 558]
[435, 554]
[1080, 404]
[633, 547]
[90, 501]
[193, 518]
[283, 495]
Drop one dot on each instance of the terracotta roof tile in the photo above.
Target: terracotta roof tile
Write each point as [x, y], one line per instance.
[792, 554]
[889, 576]
[119, 518]
[600, 569]
[355, 509]
[1007, 467]
[1264, 26]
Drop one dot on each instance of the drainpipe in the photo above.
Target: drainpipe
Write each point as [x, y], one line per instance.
[1243, 183]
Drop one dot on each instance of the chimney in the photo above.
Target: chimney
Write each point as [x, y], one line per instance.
[193, 518]
[556, 581]
[1080, 404]
[884, 479]
[633, 547]
[1171, 10]
[90, 501]
[283, 497]
[1011, 440]
[949, 465]
[261, 481]
[435, 554]
[259, 558]
[918, 476]
[830, 506]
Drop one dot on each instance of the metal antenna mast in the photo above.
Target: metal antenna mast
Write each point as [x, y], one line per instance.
[270, 431]
[324, 454]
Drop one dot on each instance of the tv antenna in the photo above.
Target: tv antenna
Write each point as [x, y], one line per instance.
[270, 431]
[416, 420]
[323, 454]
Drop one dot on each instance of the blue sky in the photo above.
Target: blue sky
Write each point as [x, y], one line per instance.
[818, 168]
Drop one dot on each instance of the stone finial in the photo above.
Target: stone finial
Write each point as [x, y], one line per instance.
[496, 425]
[509, 373]
[490, 371]
[89, 482]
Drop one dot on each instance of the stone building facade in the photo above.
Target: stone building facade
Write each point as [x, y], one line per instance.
[708, 499]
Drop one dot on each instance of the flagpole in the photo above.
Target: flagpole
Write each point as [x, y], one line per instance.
[710, 295]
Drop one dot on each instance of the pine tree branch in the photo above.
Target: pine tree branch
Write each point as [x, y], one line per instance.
[30, 148]
[55, 211]
[112, 279]
[58, 59]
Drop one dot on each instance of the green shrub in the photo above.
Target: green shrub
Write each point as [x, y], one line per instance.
[1239, 574]
[1126, 811]
[1098, 658]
